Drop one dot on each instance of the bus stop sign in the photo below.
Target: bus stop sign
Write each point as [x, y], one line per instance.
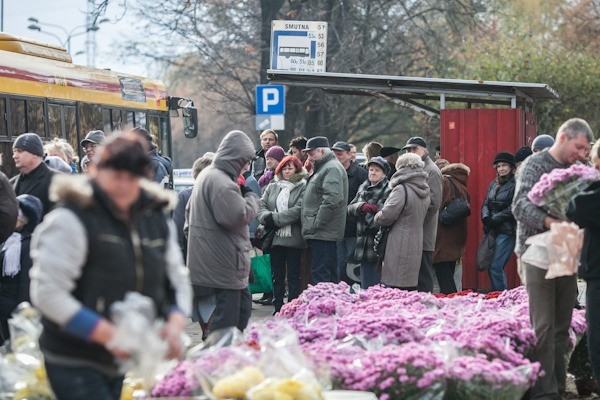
[299, 46]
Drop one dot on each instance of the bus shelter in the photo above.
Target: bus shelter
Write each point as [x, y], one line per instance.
[468, 134]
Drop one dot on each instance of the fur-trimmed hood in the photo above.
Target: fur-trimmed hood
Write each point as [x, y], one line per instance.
[78, 190]
[458, 171]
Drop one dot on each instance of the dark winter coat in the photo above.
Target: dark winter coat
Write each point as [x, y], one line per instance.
[497, 206]
[8, 208]
[259, 165]
[179, 218]
[357, 175]
[325, 203]
[584, 210]
[35, 183]
[162, 167]
[366, 228]
[451, 240]
[405, 241]
[434, 181]
[15, 290]
[108, 256]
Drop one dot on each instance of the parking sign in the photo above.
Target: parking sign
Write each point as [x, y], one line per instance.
[270, 100]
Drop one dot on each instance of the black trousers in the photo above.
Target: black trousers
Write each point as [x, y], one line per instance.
[233, 309]
[285, 261]
[445, 276]
[425, 274]
[592, 311]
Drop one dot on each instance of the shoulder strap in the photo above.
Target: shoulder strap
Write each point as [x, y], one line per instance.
[455, 190]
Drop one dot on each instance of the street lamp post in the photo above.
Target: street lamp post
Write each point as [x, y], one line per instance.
[36, 26]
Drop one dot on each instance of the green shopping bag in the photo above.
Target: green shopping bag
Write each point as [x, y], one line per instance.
[261, 269]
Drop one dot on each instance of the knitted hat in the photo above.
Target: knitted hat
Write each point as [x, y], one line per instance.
[32, 207]
[505, 156]
[31, 143]
[542, 142]
[522, 154]
[380, 162]
[275, 152]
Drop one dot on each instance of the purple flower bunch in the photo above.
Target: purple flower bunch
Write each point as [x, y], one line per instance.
[477, 377]
[407, 371]
[555, 189]
[175, 383]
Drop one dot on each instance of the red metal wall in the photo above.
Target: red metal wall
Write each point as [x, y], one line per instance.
[473, 137]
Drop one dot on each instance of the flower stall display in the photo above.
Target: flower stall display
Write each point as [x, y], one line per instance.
[393, 343]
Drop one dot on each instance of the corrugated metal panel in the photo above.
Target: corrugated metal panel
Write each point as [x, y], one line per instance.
[474, 137]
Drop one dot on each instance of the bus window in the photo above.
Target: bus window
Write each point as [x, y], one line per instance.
[106, 125]
[17, 117]
[70, 119]
[163, 144]
[90, 118]
[116, 120]
[3, 128]
[54, 121]
[153, 126]
[8, 164]
[35, 117]
[140, 119]
[127, 123]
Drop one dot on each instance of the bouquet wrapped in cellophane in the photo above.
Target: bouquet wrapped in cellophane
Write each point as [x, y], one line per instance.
[558, 249]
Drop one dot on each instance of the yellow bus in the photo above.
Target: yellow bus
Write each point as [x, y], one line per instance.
[43, 92]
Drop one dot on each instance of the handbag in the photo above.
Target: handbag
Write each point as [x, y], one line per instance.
[456, 210]
[485, 251]
[261, 269]
[264, 238]
[381, 237]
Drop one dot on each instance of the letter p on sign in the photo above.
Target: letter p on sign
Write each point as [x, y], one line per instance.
[270, 100]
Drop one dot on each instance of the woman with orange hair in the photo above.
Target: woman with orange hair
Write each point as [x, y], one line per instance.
[280, 209]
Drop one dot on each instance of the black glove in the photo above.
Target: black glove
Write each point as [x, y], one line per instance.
[487, 222]
[269, 223]
[245, 189]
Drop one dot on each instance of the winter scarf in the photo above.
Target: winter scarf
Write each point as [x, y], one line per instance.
[282, 201]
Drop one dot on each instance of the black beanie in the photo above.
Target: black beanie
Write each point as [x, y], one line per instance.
[31, 143]
[522, 154]
[505, 156]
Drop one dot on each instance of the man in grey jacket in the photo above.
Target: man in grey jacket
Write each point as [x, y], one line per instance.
[418, 145]
[218, 214]
[324, 209]
[551, 301]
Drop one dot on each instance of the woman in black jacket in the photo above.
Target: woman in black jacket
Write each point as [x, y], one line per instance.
[584, 210]
[498, 219]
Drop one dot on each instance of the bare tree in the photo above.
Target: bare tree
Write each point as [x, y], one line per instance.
[221, 49]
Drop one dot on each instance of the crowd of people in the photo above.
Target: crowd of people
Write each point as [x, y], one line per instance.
[78, 235]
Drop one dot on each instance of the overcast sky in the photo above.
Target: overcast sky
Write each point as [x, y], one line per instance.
[70, 14]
